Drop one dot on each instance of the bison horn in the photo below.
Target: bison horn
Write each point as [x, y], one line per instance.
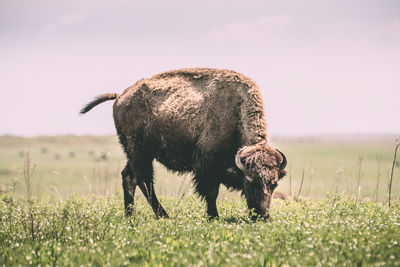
[238, 160]
[284, 160]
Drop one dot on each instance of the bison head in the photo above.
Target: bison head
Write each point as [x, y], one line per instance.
[262, 166]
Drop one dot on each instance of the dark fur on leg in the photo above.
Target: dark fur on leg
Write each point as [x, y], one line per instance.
[129, 186]
[147, 189]
[211, 199]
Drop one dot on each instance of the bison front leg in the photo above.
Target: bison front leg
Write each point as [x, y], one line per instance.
[209, 193]
[211, 199]
[207, 188]
[129, 186]
[147, 189]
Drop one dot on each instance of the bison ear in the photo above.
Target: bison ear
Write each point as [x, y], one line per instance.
[234, 172]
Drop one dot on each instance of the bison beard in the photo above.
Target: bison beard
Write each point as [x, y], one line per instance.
[206, 121]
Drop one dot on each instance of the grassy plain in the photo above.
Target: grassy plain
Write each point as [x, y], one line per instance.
[75, 213]
[91, 165]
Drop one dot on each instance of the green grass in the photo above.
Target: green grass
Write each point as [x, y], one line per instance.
[75, 213]
[94, 232]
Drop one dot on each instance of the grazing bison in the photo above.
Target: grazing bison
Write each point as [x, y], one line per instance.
[206, 121]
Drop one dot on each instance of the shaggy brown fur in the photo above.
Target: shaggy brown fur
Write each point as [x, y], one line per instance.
[196, 120]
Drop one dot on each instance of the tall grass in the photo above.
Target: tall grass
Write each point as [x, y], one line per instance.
[360, 174]
[302, 181]
[30, 220]
[393, 165]
[379, 167]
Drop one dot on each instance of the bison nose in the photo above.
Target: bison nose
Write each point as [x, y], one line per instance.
[263, 205]
[265, 217]
[263, 209]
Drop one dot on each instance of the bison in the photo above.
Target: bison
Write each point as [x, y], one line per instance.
[206, 121]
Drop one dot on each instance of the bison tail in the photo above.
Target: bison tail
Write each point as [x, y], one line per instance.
[98, 100]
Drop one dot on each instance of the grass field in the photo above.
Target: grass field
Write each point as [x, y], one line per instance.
[94, 232]
[74, 213]
[92, 165]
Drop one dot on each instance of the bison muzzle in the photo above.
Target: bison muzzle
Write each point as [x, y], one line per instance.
[205, 121]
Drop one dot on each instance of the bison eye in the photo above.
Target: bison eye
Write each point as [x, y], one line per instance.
[249, 179]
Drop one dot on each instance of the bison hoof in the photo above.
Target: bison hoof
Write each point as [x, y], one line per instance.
[130, 211]
[211, 218]
[162, 215]
[261, 218]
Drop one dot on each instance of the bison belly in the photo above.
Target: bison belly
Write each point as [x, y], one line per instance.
[179, 149]
[174, 154]
[171, 144]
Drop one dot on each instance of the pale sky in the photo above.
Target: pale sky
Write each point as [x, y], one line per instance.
[324, 66]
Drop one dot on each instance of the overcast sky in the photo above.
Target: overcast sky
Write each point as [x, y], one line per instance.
[324, 66]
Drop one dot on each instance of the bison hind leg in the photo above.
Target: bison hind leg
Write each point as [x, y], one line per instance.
[141, 168]
[129, 186]
[141, 176]
[147, 188]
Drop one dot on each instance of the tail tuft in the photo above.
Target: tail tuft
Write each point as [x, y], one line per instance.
[98, 100]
